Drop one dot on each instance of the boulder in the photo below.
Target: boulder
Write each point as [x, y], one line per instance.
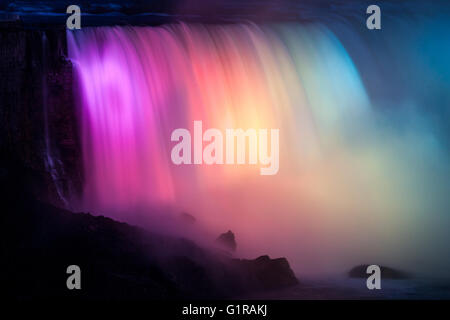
[266, 273]
[386, 272]
[227, 240]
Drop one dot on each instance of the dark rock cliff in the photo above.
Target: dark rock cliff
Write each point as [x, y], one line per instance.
[38, 126]
[41, 169]
[117, 260]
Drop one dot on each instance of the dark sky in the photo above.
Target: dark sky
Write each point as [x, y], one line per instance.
[162, 11]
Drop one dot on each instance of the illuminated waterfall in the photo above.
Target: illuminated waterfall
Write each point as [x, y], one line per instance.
[342, 165]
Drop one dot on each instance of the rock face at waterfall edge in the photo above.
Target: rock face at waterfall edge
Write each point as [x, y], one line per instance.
[37, 102]
[386, 273]
[117, 260]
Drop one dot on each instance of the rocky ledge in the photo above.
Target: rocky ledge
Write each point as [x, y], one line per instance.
[117, 260]
[386, 272]
[265, 273]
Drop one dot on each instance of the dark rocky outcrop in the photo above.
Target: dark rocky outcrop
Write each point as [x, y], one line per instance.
[36, 102]
[266, 273]
[117, 260]
[386, 272]
[227, 240]
[187, 218]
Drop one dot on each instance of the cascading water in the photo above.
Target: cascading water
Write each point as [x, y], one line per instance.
[344, 163]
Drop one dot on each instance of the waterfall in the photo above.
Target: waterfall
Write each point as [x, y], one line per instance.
[359, 141]
[139, 84]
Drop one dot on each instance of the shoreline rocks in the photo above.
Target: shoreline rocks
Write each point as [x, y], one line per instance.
[386, 272]
[268, 273]
[227, 240]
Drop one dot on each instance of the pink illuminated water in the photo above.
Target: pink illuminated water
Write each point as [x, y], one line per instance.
[340, 167]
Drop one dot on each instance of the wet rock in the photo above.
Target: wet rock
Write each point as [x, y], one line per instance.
[38, 123]
[386, 272]
[265, 273]
[188, 218]
[227, 240]
[120, 261]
